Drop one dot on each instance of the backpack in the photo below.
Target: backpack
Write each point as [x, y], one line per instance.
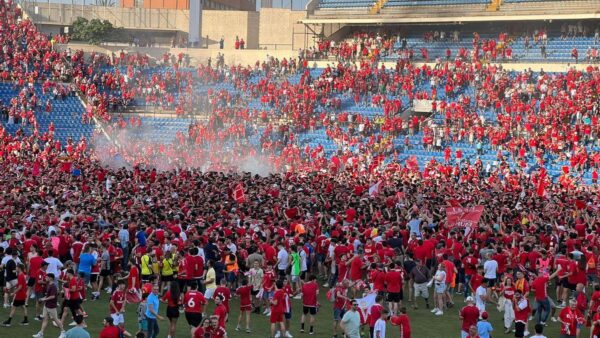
[331, 295]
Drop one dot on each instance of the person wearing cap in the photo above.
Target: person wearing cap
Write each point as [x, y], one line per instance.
[522, 312]
[469, 315]
[109, 330]
[484, 328]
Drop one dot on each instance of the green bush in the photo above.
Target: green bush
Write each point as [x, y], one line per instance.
[96, 31]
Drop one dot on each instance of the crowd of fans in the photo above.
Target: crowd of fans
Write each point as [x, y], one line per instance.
[360, 222]
[382, 45]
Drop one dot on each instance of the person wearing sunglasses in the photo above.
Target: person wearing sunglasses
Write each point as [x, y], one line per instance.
[350, 322]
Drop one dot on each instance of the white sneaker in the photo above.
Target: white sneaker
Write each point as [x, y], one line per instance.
[526, 333]
[72, 324]
[298, 296]
[6, 306]
[554, 320]
[326, 285]
[288, 334]
[435, 310]
[439, 313]
[268, 314]
[38, 335]
[266, 310]
[278, 334]
[63, 334]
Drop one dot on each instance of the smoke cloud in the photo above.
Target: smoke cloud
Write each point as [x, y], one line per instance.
[151, 147]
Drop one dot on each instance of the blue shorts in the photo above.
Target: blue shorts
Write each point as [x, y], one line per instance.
[143, 325]
[338, 314]
[268, 294]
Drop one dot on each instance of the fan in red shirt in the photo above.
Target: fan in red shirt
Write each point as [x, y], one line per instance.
[278, 309]
[393, 282]
[245, 294]
[596, 325]
[403, 323]
[220, 310]
[39, 288]
[469, 315]
[215, 330]
[224, 292]
[20, 296]
[193, 302]
[110, 330]
[569, 318]
[310, 292]
[117, 304]
[173, 298]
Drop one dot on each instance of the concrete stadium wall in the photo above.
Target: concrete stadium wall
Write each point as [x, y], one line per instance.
[228, 25]
[270, 28]
[280, 29]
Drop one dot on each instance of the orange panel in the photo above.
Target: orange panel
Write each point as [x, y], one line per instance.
[127, 3]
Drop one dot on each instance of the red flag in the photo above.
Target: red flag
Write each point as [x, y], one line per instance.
[541, 186]
[238, 193]
[454, 203]
[467, 217]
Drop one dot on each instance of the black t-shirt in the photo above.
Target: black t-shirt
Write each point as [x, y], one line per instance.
[10, 270]
[409, 265]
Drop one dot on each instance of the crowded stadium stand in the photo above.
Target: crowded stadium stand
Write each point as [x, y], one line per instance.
[463, 144]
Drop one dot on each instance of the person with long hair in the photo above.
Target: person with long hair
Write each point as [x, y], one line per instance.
[173, 299]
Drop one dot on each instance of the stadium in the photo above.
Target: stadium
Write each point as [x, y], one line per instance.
[345, 168]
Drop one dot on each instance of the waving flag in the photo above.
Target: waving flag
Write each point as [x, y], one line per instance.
[463, 217]
[541, 185]
[374, 189]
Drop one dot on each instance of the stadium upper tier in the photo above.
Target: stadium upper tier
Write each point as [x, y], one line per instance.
[386, 11]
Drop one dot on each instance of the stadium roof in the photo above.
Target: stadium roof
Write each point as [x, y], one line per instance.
[396, 19]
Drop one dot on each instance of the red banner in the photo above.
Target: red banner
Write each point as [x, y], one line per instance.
[463, 217]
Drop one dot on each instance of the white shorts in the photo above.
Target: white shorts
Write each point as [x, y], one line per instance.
[118, 318]
[208, 294]
[421, 290]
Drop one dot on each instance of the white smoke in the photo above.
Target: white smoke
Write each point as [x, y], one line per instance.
[140, 146]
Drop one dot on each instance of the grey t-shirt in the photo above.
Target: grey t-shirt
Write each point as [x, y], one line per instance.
[105, 260]
[77, 332]
[351, 322]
